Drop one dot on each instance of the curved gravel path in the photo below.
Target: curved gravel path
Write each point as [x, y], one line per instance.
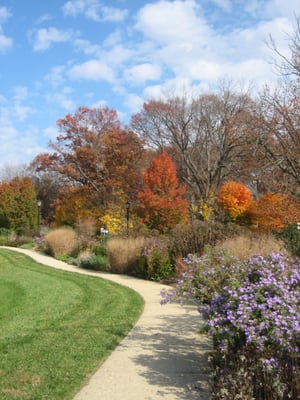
[163, 357]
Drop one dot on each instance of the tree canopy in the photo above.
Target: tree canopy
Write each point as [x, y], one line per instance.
[161, 202]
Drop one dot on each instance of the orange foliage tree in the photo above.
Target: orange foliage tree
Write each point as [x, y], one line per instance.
[235, 198]
[274, 211]
[162, 205]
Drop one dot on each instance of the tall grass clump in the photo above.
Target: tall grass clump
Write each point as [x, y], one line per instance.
[125, 254]
[245, 245]
[252, 312]
[60, 242]
[148, 258]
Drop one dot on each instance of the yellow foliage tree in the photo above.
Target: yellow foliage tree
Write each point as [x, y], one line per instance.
[113, 219]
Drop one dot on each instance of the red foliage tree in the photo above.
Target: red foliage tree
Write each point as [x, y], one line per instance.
[162, 205]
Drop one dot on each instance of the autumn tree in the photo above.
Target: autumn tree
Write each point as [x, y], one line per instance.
[280, 134]
[73, 204]
[18, 205]
[235, 198]
[94, 156]
[210, 136]
[280, 118]
[162, 205]
[273, 211]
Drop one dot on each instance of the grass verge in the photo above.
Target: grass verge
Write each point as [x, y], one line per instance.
[56, 327]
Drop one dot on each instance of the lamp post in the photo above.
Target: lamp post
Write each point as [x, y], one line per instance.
[39, 203]
[127, 217]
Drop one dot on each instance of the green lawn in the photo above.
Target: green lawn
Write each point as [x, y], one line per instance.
[56, 327]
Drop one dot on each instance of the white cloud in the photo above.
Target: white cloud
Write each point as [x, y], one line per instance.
[56, 76]
[43, 18]
[5, 41]
[170, 88]
[4, 14]
[204, 70]
[99, 104]
[94, 70]
[51, 132]
[6, 127]
[17, 147]
[21, 112]
[225, 5]
[46, 36]
[113, 38]
[142, 73]
[21, 93]
[87, 47]
[94, 10]
[62, 99]
[113, 14]
[74, 8]
[177, 21]
[118, 55]
[280, 8]
[134, 102]
[180, 39]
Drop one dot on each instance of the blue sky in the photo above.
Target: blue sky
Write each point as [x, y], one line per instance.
[58, 55]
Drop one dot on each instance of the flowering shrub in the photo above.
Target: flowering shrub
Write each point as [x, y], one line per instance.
[253, 314]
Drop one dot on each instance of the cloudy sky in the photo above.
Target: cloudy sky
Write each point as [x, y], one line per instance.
[58, 55]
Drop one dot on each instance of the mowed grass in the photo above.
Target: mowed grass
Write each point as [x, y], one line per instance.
[56, 327]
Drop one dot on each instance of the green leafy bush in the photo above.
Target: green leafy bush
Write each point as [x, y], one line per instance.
[291, 237]
[94, 262]
[14, 240]
[159, 258]
[4, 234]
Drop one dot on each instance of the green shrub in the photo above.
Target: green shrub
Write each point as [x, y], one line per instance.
[291, 238]
[159, 257]
[61, 241]
[94, 262]
[3, 239]
[14, 240]
[99, 250]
